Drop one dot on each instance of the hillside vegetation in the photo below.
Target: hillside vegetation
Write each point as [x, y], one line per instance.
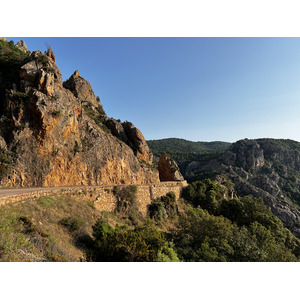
[209, 223]
[185, 146]
[186, 153]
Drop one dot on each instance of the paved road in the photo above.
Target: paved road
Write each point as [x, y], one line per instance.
[16, 191]
[12, 191]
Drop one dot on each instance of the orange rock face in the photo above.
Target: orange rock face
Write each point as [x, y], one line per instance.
[56, 137]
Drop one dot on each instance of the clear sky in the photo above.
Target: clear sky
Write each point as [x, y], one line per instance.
[200, 89]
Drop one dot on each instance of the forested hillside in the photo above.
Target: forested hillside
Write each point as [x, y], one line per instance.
[187, 153]
[185, 146]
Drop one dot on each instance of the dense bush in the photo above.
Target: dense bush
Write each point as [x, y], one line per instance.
[126, 198]
[72, 223]
[205, 193]
[11, 59]
[142, 244]
[163, 207]
[238, 229]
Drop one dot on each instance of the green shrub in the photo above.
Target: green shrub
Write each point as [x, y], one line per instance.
[72, 223]
[123, 244]
[12, 237]
[11, 59]
[46, 201]
[167, 253]
[77, 148]
[126, 198]
[56, 113]
[91, 204]
[206, 193]
[156, 210]
[164, 206]
[43, 59]
[104, 128]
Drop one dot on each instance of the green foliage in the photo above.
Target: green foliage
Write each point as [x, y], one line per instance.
[10, 55]
[5, 163]
[206, 193]
[184, 152]
[203, 237]
[11, 59]
[12, 237]
[43, 59]
[246, 210]
[97, 116]
[126, 198]
[20, 95]
[238, 229]
[46, 201]
[156, 210]
[56, 113]
[77, 148]
[123, 244]
[104, 128]
[72, 223]
[184, 146]
[286, 143]
[167, 253]
[163, 207]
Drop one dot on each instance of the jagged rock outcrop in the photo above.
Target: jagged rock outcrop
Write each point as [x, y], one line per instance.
[22, 46]
[265, 168]
[54, 134]
[81, 89]
[246, 154]
[3, 39]
[168, 169]
[132, 136]
[138, 142]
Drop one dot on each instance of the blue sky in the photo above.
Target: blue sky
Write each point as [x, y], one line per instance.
[200, 89]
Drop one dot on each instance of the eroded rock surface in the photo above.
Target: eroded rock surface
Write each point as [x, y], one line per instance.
[22, 46]
[168, 169]
[265, 168]
[54, 133]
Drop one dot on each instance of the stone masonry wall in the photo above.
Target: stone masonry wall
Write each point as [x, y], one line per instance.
[102, 196]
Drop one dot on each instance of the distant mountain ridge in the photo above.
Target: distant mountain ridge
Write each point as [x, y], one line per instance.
[185, 153]
[182, 145]
[267, 168]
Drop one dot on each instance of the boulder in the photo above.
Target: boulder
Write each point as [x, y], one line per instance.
[29, 71]
[168, 169]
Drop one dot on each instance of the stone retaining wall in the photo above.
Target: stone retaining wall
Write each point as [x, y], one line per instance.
[103, 196]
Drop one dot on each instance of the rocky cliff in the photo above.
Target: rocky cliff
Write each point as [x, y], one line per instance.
[266, 168]
[55, 133]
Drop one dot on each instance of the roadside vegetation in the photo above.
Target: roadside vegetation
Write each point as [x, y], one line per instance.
[206, 224]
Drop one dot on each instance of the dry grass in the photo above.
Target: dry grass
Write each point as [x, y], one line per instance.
[33, 231]
[59, 227]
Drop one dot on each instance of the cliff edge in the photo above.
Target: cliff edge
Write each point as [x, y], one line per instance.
[55, 133]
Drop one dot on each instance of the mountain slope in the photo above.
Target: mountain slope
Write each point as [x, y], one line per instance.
[266, 168]
[186, 153]
[55, 133]
[185, 146]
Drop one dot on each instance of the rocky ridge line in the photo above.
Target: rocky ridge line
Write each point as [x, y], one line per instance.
[55, 133]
